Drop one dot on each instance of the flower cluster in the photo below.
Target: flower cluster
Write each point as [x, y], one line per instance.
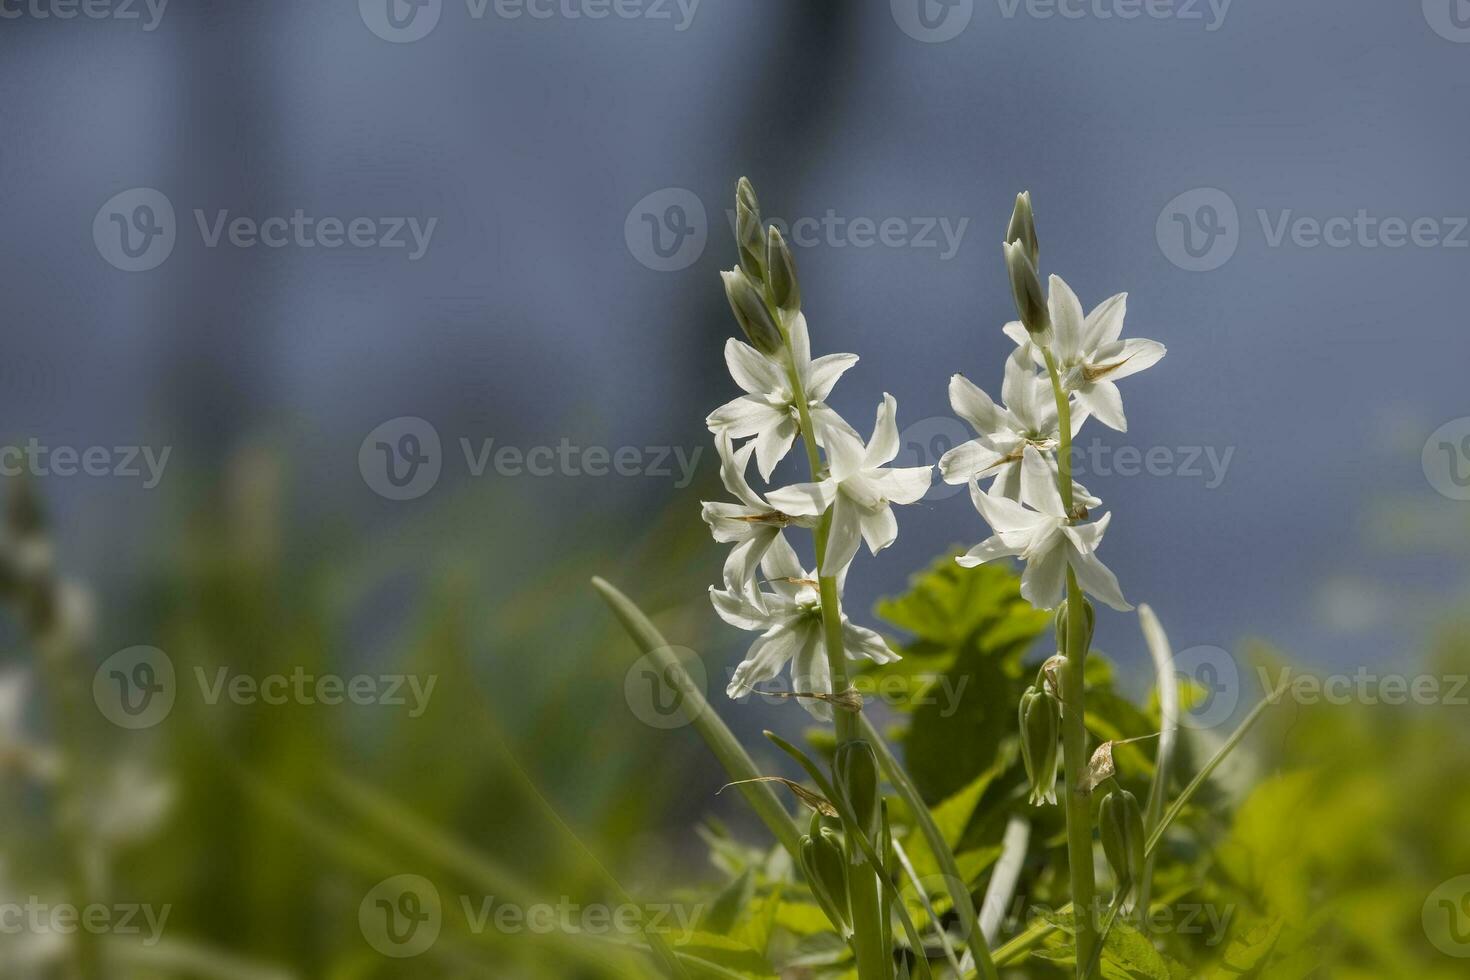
[1064, 371]
[848, 501]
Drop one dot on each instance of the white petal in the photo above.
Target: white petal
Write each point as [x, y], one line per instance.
[905, 484]
[800, 343]
[1005, 515]
[1105, 324]
[1045, 578]
[739, 608]
[733, 463]
[1016, 330]
[781, 566]
[859, 641]
[880, 528]
[765, 658]
[990, 549]
[811, 673]
[824, 374]
[773, 443]
[829, 425]
[1031, 399]
[1104, 402]
[1007, 483]
[843, 536]
[804, 499]
[726, 522]
[1039, 484]
[1098, 580]
[884, 444]
[1086, 537]
[1127, 357]
[1066, 319]
[745, 558]
[969, 461]
[976, 407]
[844, 454]
[752, 370]
[745, 416]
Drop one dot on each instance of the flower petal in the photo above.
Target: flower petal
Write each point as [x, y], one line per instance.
[973, 460]
[754, 371]
[773, 443]
[1098, 580]
[740, 608]
[1105, 324]
[1124, 358]
[745, 416]
[745, 558]
[880, 528]
[884, 444]
[859, 641]
[800, 343]
[1086, 537]
[990, 549]
[765, 658]
[1045, 578]
[824, 373]
[1005, 515]
[1067, 320]
[810, 672]
[976, 407]
[843, 536]
[733, 463]
[1104, 402]
[904, 484]
[1039, 484]
[804, 499]
[844, 454]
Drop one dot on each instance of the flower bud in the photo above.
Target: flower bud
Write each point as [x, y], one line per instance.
[745, 194]
[751, 313]
[781, 273]
[1040, 731]
[1026, 288]
[1023, 228]
[855, 769]
[1089, 618]
[1120, 824]
[825, 867]
[752, 241]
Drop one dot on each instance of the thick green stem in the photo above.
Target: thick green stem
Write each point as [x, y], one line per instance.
[1074, 724]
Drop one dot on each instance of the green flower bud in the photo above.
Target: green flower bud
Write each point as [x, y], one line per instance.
[751, 238]
[855, 768]
[1026, 288]
[1120, 824]
[745, 194]
[751, 313]
[1040, 734]
[825, 867]
[1089, 618]
[1023, 228]
[781, 273]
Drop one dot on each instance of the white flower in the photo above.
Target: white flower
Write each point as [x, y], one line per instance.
[1090, 357]
[1029, 418]
[790, 623]
[752, 524]
[768, 409]
[861, 490]
[1046, 539]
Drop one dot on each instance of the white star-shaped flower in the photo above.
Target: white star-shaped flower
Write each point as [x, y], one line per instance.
[789, 620]
[1045, 538]
[1090, 357]
[1029, 418]
[752, 525]
[861, 490]
[768, 408]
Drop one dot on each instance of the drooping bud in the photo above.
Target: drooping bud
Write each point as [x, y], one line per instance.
[1089, 618]
[751, 313]
[1026, 288]
[825, 867]
[781, 273]
[1120, 824]
[1040, 734]
[1023, 228]
[855, 768]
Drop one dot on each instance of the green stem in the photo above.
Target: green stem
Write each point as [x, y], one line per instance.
[868, 923]
[1074, 722]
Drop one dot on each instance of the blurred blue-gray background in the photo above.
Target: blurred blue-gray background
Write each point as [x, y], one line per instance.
[569, 166]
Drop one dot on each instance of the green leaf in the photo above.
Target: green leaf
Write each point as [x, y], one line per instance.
[725, 911]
